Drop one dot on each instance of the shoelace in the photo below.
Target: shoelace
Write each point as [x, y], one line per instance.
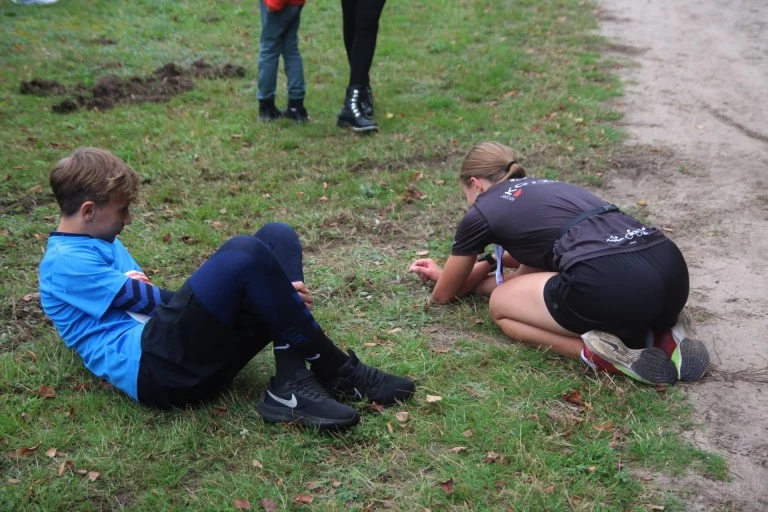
[310, 388]
[366, 377]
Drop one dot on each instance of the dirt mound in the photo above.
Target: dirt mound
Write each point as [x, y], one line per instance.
[111, 90]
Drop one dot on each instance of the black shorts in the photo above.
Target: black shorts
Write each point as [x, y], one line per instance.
[621, 293]
[189, 356]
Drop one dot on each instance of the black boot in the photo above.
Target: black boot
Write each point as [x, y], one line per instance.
[296, 111]
[351, 115]
[366, 101]
[268, 111]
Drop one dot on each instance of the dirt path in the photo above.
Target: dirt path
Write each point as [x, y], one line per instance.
[697, 112]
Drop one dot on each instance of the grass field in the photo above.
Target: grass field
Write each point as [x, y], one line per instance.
[515, 428]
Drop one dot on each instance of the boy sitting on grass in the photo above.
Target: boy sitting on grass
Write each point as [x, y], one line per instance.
[166, 348]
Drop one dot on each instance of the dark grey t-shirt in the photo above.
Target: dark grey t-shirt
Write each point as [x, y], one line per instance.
[525, 215]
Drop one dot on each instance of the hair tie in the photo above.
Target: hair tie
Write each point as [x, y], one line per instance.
[510, 164]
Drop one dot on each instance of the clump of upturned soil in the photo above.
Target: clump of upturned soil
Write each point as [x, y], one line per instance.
[111, 90]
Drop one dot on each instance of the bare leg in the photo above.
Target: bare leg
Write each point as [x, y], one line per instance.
[518, 308]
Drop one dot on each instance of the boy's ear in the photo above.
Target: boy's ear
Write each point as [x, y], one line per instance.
[87, 209]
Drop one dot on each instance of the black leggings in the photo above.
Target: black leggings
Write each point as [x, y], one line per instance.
[361, 26]
[624, 294]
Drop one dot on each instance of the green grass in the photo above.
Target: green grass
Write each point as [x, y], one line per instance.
[446, 74]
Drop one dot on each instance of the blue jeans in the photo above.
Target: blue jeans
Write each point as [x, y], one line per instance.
[280, 36]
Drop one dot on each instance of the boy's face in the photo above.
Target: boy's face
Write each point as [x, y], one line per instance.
[110, 219]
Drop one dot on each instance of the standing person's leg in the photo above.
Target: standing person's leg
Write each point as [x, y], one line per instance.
[366, 22]
[360, 27]
[294, 66]
[270, 49]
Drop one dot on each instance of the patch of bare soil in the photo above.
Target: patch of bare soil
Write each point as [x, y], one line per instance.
[111, 90]
[698, 157]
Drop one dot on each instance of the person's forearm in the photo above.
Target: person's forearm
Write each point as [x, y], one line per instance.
[479, 272]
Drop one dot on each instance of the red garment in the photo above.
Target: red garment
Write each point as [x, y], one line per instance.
[278, 5]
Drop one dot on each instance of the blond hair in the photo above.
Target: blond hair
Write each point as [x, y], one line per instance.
[91, 174]
[492, 161]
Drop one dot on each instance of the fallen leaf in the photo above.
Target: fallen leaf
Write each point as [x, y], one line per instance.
[447, 486]
[166, 238]
[323, 199]
[14, 481]
[257, 464]
[591, 469]
[82, 472]
[389, 115]
[47, 392]
[441, 350]
[31, 296]
[396, 329]
[219, 410]
[608, 425]
[390, 428]
[242, 504]
[573, 397]
[187, 239]
[70, 412]
[642, 203]
[469, 432]
[433, 398]
[550, 489]
[422, 253]
[303, 499]
[65, 466]
[21, 452]
[93, 475]
[402, 416]
[269, 505]
[458, 449]
[51, 452]
[335, 484]
[655, 507]
[370, 345]
[376, 407]
[478, 321]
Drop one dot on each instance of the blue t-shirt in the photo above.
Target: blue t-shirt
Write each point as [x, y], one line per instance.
[79, 277]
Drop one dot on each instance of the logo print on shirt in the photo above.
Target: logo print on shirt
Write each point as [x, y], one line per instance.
[288, 403]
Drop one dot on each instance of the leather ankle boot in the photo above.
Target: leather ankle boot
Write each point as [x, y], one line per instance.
[366, 101]
[351, 115]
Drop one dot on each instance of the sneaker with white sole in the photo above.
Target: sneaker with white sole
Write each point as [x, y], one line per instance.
[648, 365]
[689, 355]
[305, 402]
[358, 381]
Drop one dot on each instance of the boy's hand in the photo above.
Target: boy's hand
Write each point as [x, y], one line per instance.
[139, 276]
[426, 269]
[300, 287]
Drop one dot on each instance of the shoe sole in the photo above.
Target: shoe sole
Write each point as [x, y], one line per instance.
[273, 414]
[648, 365]
[346, 124]
[691, 356]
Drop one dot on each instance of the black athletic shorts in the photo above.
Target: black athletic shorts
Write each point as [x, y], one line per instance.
[189, 356]
[621, 293]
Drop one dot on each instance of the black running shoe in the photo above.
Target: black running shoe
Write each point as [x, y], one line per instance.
[305, 402]
[358, 381]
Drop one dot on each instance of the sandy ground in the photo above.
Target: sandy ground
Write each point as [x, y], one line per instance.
[696, 110]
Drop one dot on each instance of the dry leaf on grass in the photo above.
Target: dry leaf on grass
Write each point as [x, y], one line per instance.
[242, 504]
[433, 398]
[269, 505]
[303, 499]
[402, 416]
[447, 486]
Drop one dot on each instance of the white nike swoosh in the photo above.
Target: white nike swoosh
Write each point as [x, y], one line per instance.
[313, 358]
[288, 403]
[281, 347]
